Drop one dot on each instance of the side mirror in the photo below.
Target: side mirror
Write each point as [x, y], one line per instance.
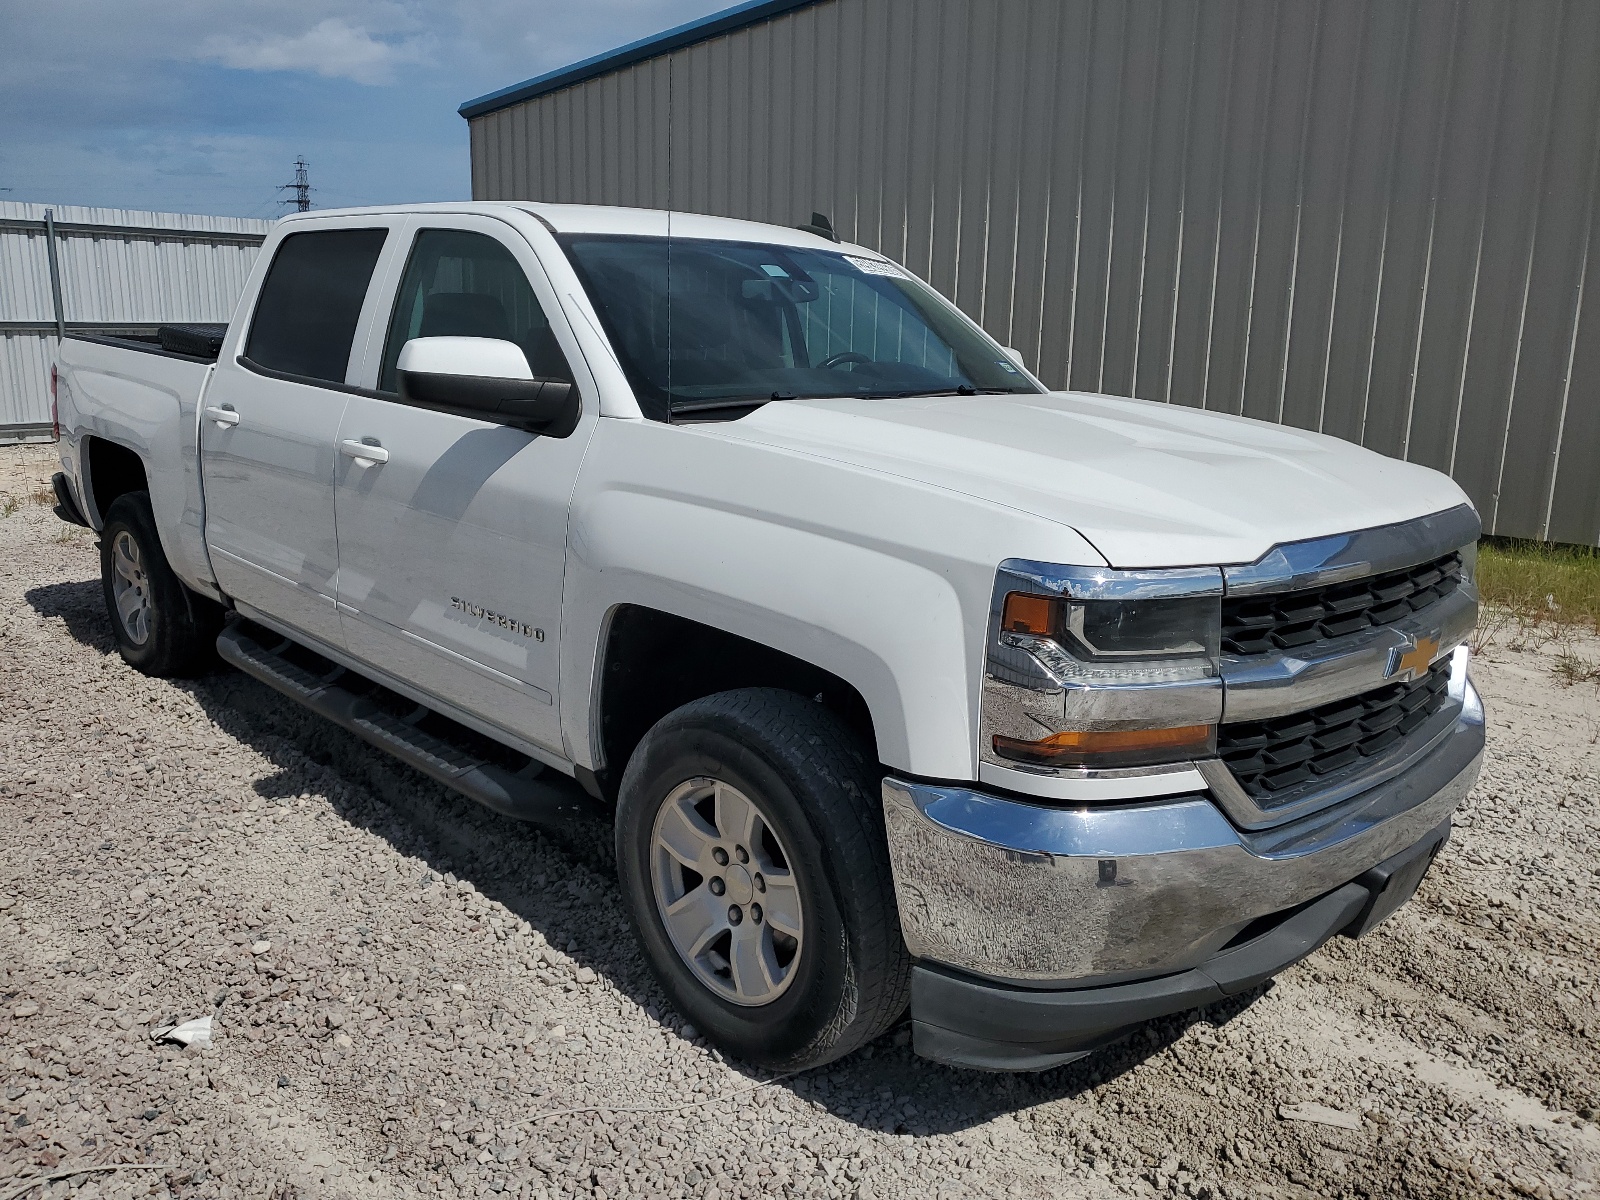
[1015, 356]
[487, 379]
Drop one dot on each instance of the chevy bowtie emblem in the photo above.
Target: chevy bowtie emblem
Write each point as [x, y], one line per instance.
[1412, 662]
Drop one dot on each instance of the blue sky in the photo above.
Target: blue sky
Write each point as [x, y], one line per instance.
[200, 106]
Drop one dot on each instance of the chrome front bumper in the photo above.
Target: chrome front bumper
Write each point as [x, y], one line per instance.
[1054, 897]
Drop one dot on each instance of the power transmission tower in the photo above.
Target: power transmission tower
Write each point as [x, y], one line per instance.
[301, 187]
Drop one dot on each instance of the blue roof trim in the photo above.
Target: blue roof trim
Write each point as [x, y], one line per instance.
[753, 12]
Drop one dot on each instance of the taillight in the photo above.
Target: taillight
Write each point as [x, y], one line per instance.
[55, 411]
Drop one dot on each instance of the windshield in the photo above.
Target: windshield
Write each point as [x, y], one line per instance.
[713, 328]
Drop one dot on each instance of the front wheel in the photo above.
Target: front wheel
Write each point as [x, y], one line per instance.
[751, 851]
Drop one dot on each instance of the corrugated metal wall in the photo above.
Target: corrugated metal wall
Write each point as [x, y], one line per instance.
[109, 280]
[1369, 217]
[25, 385]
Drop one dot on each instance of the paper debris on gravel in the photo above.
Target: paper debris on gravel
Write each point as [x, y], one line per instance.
[191, 1033]
[1319, 1114]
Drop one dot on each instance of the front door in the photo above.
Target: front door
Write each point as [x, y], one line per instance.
[452, 548]
[269, 426]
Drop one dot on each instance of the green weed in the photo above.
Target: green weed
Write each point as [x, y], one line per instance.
[1541, 584]
[1571, 669]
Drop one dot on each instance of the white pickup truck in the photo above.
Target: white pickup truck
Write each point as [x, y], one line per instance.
[906, 681]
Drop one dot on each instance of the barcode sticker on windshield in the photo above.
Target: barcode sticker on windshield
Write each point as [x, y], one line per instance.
[876, 266]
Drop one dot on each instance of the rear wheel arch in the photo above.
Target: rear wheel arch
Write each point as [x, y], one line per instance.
[110, 470]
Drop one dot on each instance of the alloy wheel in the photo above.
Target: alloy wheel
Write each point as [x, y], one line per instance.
[130, 588]
[725, 891]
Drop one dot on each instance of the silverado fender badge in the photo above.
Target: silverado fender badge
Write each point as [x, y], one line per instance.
[480, 613]
[1412, 661]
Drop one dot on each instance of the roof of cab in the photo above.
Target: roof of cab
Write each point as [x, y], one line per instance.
[606, 219]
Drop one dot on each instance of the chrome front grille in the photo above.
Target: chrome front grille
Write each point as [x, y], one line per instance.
[1272, 758]
[1302, 619]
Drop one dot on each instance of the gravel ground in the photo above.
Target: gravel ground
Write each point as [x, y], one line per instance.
[414, 996]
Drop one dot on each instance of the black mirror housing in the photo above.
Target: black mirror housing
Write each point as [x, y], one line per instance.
[548, 407]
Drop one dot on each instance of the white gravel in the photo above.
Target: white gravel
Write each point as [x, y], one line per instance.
[413, 996]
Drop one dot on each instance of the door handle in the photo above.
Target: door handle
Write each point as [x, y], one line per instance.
[224, 416]
[363, 451]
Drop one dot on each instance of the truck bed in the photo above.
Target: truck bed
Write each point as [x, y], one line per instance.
[199, 343]
[136, 393]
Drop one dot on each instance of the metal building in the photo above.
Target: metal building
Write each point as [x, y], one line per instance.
[1368, 217]
[104, 270]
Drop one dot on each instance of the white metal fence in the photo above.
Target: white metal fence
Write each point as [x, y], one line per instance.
[113, 270]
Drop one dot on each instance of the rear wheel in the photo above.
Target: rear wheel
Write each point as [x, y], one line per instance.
[161, 627]
[751, 850]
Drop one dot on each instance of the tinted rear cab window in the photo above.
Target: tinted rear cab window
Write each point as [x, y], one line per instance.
[310, 303]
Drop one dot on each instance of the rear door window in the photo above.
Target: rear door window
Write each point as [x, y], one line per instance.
[464, 284]
[310, 302]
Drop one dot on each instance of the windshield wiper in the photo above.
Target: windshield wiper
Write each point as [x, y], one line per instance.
[965, 389]
[712, 404]
[719, 403]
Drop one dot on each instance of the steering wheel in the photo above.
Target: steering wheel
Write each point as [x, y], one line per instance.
[844, 356]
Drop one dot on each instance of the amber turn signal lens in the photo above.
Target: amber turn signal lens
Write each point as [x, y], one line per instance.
[1110, 747]
[1024, 613]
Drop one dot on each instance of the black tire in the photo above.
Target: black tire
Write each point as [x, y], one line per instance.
[818, 791]
[179, 627]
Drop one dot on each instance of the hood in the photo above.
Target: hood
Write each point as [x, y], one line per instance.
[1149, 484]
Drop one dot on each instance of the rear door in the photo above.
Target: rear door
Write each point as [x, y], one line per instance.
[268, 430]
[452, 547]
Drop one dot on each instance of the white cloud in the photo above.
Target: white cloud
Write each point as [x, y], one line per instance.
[201, 105]
[332, 47]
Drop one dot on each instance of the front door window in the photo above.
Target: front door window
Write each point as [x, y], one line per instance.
[464, 284]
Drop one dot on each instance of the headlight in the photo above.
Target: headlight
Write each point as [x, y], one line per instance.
[1090, 668]
[1118, 630]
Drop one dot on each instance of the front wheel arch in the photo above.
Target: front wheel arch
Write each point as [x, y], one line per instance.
[653, 662]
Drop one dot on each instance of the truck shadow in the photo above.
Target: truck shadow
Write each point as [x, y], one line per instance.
[81, 607]
[563, 885]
